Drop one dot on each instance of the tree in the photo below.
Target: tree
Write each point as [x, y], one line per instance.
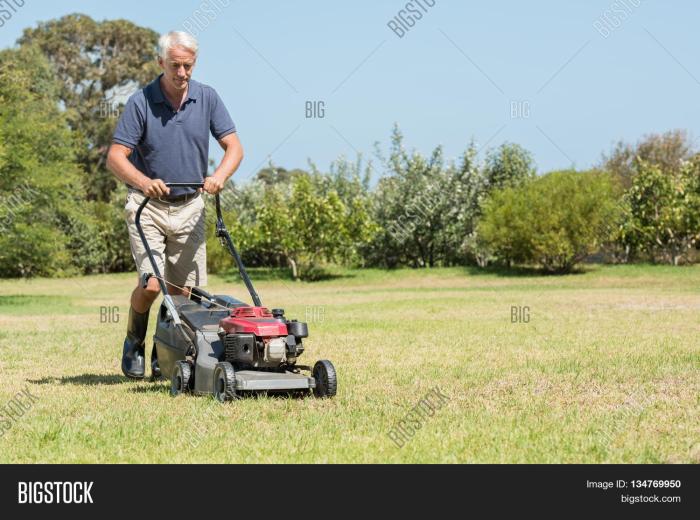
[46, 226]
[317, 229]
[238, 207]
[555, 221]
[473, 187]
[305, 229]
[508, 165]
[427, 210]
[300, 226]
[272, 174]
[350, 182]
[666, 151]
[663, 210]
[409, 208]
[97, 64]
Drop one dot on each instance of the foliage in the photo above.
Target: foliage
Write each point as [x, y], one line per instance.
[97, 64]
[46, 224]
[667, 151]
[295, 224]
[508, 165]
[61, 212]
[663, 209]
[554, 221]
[421, 207]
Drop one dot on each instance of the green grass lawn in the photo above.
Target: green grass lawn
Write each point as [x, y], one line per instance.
[606, 370]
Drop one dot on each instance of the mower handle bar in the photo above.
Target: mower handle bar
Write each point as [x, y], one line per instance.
[221, 232]
[184, 184]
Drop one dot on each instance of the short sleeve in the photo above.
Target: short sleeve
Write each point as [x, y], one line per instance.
[130, 126]
[220, 122]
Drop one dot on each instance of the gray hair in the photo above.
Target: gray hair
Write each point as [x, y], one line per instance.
[177, 39]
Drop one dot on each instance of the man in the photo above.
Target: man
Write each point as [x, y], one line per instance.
[163, 136]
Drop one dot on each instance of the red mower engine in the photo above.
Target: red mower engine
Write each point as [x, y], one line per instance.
[255, 337]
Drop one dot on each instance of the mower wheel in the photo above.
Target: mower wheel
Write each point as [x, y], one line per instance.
[326, 380]
[224, 382]
[180, 382]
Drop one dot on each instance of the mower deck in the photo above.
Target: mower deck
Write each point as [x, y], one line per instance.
[256, 380]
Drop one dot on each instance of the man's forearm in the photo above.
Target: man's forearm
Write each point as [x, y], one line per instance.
[233, 155]
[122, 168]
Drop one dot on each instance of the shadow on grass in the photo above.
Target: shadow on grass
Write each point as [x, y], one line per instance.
[518, 271]
[85, 379]
[160, 386]
[285, 275]
[296, 395]
[264, 274]
[152, 387]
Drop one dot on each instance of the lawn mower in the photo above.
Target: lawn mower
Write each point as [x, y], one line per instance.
[216, 344]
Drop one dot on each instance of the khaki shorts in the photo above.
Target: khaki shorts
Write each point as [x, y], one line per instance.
[176, 235]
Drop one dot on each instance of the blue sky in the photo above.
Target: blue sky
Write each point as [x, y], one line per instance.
[457, 74]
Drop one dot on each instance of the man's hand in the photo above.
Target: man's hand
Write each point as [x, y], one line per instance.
[154, 188]
[233, 154]
[214, 184]
[118, 163]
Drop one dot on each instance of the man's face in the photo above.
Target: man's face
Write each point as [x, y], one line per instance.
[177, 67]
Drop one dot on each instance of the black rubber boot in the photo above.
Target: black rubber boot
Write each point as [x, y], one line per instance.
[133, 357]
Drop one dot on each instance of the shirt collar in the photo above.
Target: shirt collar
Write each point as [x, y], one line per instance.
[158, 97]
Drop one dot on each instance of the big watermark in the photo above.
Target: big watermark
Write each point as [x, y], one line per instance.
[413, 421]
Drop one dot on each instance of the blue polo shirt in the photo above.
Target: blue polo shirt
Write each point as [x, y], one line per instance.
[168, 145]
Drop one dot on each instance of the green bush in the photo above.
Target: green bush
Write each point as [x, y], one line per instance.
[218, 258]
[423, 208]
[112, 233]
[300, 223]
[554, 221]
[662, 209]
[42, 198]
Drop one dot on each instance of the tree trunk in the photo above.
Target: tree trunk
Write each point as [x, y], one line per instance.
[293, 265]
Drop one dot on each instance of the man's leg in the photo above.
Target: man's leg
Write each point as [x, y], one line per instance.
[133, 355]
[142, 298]
[141, 301]
[153, 219]
[163, 241]
[186, 247]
